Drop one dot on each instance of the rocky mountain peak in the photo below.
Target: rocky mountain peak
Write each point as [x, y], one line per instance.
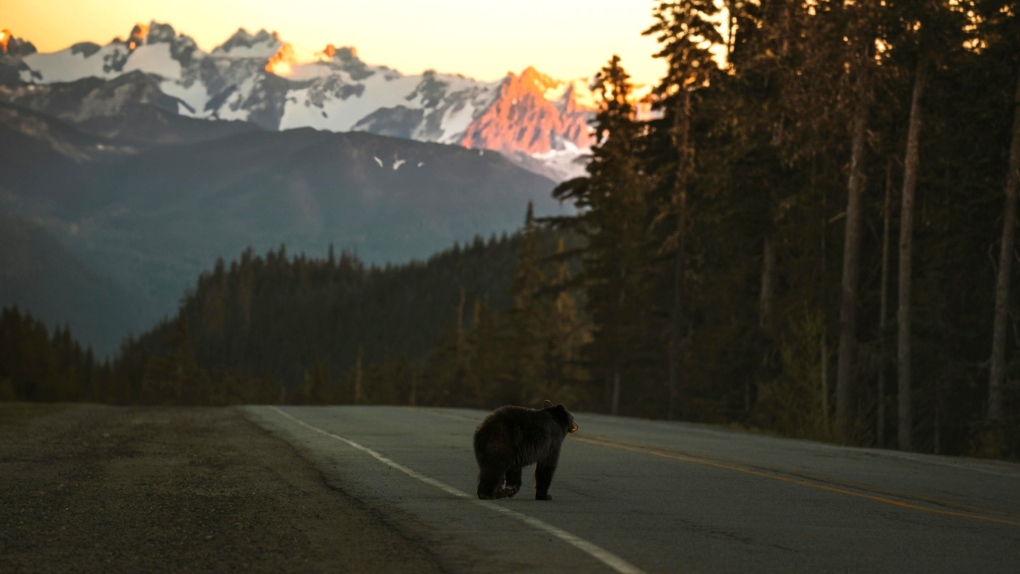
[522, 119]
[535, 80]
[182, 48]
[12, 46]
[280, 63]
[343, 53]
[137, 36]
[161, 33]
[246, 44]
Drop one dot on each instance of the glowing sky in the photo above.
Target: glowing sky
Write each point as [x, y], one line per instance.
[482, 39]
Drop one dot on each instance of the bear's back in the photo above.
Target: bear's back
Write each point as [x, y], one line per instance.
[517, 435]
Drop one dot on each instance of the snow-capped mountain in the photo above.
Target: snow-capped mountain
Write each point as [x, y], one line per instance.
[536, 121]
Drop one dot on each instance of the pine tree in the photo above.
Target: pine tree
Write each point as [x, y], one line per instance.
[526, 317]
[175, 378]
[685, 31]
[614, 220]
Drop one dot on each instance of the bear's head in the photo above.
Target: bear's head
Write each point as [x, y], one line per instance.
[562, 416]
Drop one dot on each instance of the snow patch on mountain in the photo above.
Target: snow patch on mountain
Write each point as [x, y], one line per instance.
[74, 63]
[233, 106]
[303, 72]
[193, 97]
[333, 104]
[154, 59]
[566, 162]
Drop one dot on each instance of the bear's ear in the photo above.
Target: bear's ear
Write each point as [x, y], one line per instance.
[547, 405]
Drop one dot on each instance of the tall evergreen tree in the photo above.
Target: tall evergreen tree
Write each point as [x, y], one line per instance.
[686, 33]
[526, 317]
[613, 216]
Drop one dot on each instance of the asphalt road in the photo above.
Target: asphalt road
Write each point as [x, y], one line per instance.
[650, 496]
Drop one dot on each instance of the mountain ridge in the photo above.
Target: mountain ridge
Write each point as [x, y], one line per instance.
[277, 85]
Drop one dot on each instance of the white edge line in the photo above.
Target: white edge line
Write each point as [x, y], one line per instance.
[608, 558]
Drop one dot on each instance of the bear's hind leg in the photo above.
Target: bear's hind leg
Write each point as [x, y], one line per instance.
[543, 478]
[513, 482]
[490, 483]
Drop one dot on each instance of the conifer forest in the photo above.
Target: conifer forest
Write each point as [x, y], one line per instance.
[808, 228]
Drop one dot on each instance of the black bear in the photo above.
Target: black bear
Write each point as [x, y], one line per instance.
[511, 438]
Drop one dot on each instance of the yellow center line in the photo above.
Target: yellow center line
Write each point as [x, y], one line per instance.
[819, 478]
[800, 482]
[963, 506]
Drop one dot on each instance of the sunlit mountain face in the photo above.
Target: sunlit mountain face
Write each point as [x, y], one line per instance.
[537, 121]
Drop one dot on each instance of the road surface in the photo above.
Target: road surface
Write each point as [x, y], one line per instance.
[651, 496]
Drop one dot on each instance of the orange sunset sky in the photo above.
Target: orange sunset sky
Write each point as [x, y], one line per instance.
[482, 39]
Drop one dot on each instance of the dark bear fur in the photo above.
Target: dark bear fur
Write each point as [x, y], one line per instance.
[511, 438]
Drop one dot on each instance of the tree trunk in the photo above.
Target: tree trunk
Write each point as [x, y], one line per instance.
[824, 298]
[883, 312]
[618, 336]
[851, 269]
[997, 374]
[682, 141]
[614, 401]
[937, 430]
[768, 286]
[824, 368]
[766, 314]
[905, 422]
[357, 377]
[460, 322]
[674, 338]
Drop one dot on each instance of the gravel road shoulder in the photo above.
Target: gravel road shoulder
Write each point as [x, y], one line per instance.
[89, 488]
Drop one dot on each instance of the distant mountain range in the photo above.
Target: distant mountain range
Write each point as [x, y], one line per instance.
[538, 122]
[108, 218]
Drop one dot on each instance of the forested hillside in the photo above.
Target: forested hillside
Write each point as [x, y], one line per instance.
[279, 315]
[476, 325]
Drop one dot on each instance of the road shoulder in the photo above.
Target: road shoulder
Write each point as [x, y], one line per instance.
[89, 488]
